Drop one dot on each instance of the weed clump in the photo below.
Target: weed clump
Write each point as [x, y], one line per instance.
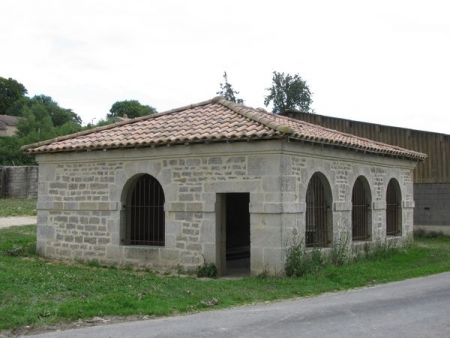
[421, 233]
[207, 270]
[21, 250]
[300, 262]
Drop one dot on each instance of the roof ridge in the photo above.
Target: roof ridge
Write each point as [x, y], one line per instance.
[253, 115]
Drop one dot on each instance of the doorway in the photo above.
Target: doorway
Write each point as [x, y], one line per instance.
[234, 234]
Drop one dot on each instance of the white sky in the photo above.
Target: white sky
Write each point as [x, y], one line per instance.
[380, 61]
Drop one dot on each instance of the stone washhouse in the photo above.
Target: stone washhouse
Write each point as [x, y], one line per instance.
[217, 182]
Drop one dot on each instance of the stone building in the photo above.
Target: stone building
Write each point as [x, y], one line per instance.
[215, 182]
[431, 176]
[8, 125]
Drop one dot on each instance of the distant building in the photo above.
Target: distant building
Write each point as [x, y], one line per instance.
[431, 177]
[8, 125]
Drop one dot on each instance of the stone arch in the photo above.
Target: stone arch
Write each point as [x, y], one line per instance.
[143, 216]
[361, 210]
[393, 208]
[318, 215]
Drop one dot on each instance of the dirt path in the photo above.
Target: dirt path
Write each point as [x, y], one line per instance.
[6, 222]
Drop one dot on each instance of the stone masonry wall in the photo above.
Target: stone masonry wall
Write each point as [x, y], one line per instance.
[432, 205]
[81, 198]
[19, 182]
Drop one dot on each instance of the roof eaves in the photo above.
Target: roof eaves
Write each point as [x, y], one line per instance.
[166, 142]
[411, 155]
[116, 124]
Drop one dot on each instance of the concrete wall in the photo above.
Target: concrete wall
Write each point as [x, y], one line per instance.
[81, 198]
[19, 182]
[432, 207]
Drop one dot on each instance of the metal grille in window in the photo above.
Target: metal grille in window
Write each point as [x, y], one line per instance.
[392, 211]
[359, 212]
[316, 214]
[146, 213]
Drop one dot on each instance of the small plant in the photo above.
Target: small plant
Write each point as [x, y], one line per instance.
[15, 251]
[421, 233]
[93, 263]
[263, 275]
[207, 270]
[377, 251]
[21, 250]
[299, 262]
[181, 270]
[340, 254]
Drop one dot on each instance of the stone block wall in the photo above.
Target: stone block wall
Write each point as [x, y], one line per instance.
[19, 182]
[432, 210]
[81, 199]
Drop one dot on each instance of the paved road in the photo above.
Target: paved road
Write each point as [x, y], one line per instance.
[413, 308]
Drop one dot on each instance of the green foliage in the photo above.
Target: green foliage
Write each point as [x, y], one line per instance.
[340, 253]
[421, 233]
[130, 108]
[227, 91]
[43, 292]
[10, 92]
[288, 92]
[22, 250]
[10, 153]
[378, 251]
[41, 119]
[207, 270]
[17, 207]
[300, 261]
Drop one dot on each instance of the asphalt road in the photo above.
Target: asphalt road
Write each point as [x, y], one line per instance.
[414, 308]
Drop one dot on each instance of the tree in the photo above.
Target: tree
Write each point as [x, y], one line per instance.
[131, 108]
[10, 91]
[227, 91]
[59, 116]
[288, 92]
[43, 118]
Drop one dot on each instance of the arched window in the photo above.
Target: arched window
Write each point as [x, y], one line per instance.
[145, 219]
[318, 232]
[360, 211]
[393, 210]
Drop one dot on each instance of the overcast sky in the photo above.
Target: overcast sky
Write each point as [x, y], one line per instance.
[385, 62]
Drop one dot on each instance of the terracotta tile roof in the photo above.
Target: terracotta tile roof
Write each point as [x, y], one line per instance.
[210, 121]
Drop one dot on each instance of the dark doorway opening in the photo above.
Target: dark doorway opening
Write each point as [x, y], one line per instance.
[237, 225]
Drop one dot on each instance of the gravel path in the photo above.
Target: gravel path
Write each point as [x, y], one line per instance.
[6, 222]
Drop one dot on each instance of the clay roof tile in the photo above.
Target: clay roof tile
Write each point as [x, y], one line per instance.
[212, 120]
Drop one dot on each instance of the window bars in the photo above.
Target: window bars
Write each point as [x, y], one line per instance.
[146, 220]
[316, 214]
[360, 212]
[392, 211]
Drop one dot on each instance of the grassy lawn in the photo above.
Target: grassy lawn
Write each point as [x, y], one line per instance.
[17, 207]
[36, 291]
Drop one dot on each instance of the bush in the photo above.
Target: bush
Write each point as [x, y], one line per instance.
[207, 270]
[299, 262]
[340, 254]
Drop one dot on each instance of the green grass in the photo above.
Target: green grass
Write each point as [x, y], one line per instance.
[35, 291]
[17, 207]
